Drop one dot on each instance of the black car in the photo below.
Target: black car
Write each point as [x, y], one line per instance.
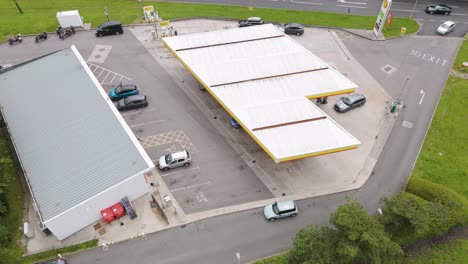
[292, 28]
[132, 102]
[438, 9]
[251, 21]
[109, 28]
[349, 102]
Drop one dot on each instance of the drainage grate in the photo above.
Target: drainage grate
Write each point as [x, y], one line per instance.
[388, 69]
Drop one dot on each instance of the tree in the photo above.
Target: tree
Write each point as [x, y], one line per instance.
[361, 238]
[314, 245]
[406, 210]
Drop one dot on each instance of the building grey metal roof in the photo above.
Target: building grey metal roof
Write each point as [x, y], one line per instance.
[72, 142]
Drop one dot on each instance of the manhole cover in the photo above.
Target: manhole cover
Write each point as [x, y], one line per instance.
[97, 56]
[388, 69]
[407, 124]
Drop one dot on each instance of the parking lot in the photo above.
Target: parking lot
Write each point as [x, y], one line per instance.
[228, 167]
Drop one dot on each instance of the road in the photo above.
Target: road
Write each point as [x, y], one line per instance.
[218, 239]
[399, 8]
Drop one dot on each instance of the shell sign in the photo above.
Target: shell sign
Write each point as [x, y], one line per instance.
[381, 17]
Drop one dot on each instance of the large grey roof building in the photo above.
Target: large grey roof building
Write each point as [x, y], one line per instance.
[78, 154]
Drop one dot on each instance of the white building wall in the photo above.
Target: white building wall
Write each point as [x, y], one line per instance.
[88, 212]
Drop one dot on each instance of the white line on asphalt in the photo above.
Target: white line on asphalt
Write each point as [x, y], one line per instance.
[403, 10]
[352, 6]
[172, 173]
[422, 93]
[305, 3]
[465, 22]
[404, 3]
[456, 14]
[155, 121]
[191, 186]
[353, 3]
[432, 20]
[129, 113]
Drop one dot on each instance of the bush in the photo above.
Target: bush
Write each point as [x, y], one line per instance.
[449, 208]
[314, 245]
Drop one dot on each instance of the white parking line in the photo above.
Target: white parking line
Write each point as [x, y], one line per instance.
[169, 174]
[352, 6]
[129, 113]
[404, 3]
[305, 3]
[156, 121]
[191, 186]
[456, 14]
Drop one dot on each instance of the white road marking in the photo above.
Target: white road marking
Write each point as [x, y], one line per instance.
[191, 186]
[353, 3]
[465, 22]
[129, 113]
[156, 121]
[404, 3]
[352, 6]
[404, 10]
[422, 93]
[305, 3]
[178, 172]
[456, 14]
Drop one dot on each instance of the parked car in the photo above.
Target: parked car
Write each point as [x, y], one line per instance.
[251, 21]
[438, 9]
[234, 123]
[349, 102]
[174, 160]
[292, 28]
[280, 210]
[109, 28]
[132, 102]
[445, 27]
[122, 91]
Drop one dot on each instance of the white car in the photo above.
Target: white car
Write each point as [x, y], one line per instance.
[445, 27]
[174, 160]
[280, 210]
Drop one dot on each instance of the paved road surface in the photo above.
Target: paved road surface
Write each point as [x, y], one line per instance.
[217, 240]
[400, 8]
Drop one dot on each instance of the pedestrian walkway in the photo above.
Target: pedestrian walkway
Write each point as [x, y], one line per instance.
[106, 76]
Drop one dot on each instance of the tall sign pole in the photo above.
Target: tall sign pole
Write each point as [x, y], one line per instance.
[381, 17]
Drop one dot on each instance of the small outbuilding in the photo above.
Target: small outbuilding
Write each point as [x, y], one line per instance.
[69, 18]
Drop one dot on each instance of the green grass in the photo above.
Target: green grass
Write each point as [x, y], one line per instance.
[41, 15]
[15, 198]
[51, 254]
[444, 156]
[277, 259]
[462, 56]
[456, 252]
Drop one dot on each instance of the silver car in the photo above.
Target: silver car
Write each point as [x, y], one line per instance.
[280, 210]
[445, 27]
[174, 160]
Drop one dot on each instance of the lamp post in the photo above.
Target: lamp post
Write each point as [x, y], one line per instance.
[106, 13]
[414, 8]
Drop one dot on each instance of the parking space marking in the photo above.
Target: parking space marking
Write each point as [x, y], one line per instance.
[143, 110]
[305, 3]
[201, 197]
[178, 172]
[99, 53]
[191, 186]
[109, 76]
[168, 138]
[155, 121]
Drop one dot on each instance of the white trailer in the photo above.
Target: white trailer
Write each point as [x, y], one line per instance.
[69, 18]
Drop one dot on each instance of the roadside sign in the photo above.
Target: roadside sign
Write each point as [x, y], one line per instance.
[164, 23]
[150, 14]
[381, 17]
[403, 30]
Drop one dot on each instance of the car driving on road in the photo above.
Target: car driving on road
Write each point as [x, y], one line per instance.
[445, 27]
[438, 9]
[349, 102]
[280, 210]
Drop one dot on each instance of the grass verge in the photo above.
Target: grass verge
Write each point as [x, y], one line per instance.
[51, 254]
[444, 156]
[456, 252]
[277, 259]
[40, 16]
[462, 56]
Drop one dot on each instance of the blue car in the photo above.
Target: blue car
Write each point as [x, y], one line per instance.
[234, 123]
[123, 91]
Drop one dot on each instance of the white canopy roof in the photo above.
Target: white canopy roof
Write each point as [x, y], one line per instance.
[265, 79]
